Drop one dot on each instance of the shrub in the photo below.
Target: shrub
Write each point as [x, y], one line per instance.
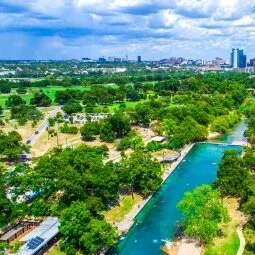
[69, 129]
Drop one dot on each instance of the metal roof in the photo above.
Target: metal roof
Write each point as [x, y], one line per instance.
[13, 231]
[37, 238]
[158, 139]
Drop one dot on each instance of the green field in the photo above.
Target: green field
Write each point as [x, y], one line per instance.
[55, 251]
[50, 91]
[114, 107]
[118, 213]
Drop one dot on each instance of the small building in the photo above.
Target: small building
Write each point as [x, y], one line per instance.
[41, 238]
[12, 232]
[169, 158]
[158, 139]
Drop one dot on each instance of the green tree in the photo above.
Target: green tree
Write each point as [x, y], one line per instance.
[83, 233]
[72, 107]
[51, 122]
[5, 204]
[88, 130]
[232, 174]
[11, 146]
[120, 124]
[140, 173]
[106, 132]
[14, 100]
[203, 211]
[40, 99]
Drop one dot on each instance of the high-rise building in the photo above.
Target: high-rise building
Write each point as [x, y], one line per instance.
[252, 62]
[139, 59]
[172, 60]
[238, 59]
[110, 59]
[117, 59]
[179, 60]
[102, 60]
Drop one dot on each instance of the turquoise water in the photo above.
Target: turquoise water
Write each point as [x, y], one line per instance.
[158, 219]
[235, 134]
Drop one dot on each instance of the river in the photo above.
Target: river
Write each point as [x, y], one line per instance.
[157, 221]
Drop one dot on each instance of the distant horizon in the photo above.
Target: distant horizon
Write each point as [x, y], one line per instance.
[129, 58]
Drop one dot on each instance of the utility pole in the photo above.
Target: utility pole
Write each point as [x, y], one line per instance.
[57, 136]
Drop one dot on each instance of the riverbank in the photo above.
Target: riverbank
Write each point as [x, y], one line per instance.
[129, 219]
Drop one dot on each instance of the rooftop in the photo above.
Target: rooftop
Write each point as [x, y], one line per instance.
[13, 231]
[158, 139]
[37, 238]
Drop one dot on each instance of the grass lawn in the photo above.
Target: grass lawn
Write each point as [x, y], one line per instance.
[118, 213]
[43, 144]
[50, 91]
[25, 131]
[249, 235]
[230, 243]
[114, 107]
[55, 251]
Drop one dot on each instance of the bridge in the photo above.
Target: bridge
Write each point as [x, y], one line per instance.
[234, 143]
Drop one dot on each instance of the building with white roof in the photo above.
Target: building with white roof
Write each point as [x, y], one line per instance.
[40, 238]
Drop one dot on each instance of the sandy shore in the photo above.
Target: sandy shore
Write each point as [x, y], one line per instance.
[213, 135]
[183, 247]
[128, 221]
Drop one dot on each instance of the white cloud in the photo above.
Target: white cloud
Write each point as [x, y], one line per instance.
[164, 18]
[151, 27]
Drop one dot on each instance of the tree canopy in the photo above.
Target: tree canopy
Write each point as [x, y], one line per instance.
[202, 211]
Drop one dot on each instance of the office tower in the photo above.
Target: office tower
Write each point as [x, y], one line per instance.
[117, 59]
[252, 61]
[238, 59]
[172, 60]
[139, 59]
[102, 60]
[110, 59]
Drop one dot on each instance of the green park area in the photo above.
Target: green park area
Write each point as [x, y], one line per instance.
[116, 106]
[118, 213]
[55, 251]
[49, 91]
[230, 243]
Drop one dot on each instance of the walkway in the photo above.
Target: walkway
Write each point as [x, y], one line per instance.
[242, 240]
[234, 143]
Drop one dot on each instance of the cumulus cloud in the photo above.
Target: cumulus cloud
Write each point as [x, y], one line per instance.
[152, 28]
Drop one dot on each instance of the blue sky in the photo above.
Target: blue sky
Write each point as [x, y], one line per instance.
[154, 29]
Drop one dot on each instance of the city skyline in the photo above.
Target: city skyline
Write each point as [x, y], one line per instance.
[155, 29]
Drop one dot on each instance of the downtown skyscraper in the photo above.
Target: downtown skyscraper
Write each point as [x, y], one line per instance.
[238, 59]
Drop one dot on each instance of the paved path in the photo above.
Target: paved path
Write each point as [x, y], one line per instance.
[234, 143]
[242, 240]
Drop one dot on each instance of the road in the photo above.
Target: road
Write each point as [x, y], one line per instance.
[32, 139]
